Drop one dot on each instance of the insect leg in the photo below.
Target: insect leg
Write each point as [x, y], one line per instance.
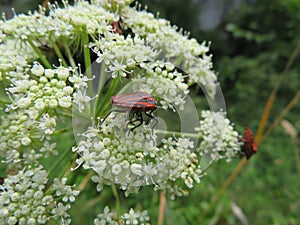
[139, 118]
[115, 110]
[150, 116]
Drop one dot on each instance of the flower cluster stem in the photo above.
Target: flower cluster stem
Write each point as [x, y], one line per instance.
[217, 197]
[162, 206]
[115, 192]
[40, 54]
[58, 52]
[105, 103]
[69, 55]
[60, 159]
[87, 61]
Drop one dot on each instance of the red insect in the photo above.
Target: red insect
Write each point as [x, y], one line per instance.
[135, 103]
[117, 27]
[249, 148]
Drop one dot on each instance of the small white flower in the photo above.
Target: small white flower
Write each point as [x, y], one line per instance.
[60, 210]
[49, 73]
[104, 154]
[136, 169]
[25, 141]
[12, 220]
[65, 101]
[4, 212]
[105, 218]
[49, 148]
[24, 103]
[116, 169]
[68, 90]
[131, 217]
[39, 105]
[53, 103]
[63, 73]
[37, 69]
[25, 209]
[47, 124]
[80, 99]
[61, 84]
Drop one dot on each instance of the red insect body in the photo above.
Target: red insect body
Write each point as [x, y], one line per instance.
[249, 148]
[139, 101]
[135, 103]
[117, 27]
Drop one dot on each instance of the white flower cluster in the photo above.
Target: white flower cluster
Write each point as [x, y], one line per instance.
[146, 52]
[218, 138]
[185, 53]
[132, 159]
[29, 117]
[26, 199]
[80, 17]
[122, 55]
[131, 218]
[164, 82]
[14, 56]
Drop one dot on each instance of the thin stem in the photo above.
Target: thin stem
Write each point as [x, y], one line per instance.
[178, 61]
[229, 180]
[297, 155]
[282, 115]
[45, 3]
[58, 52]
[87, 62]
[69, 55]
[272, 96]
[105, 103]
[102, 80]
[115, 192]
[177, 134]
[57, 162]
[85, 181]
[162, 207]
[40, 54]
[94, 201]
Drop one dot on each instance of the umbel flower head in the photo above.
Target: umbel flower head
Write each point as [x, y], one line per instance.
[60, 68]
[24, 198]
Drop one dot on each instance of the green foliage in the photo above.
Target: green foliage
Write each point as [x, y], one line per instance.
[262, 38]
[181, 13]
[251, 49]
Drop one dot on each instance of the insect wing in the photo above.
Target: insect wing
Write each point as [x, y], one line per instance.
[137, 102]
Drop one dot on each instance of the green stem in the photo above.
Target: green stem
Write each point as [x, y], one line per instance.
[115, 192]
[57, 162]
[58, 52]
[40, 54]
[217, 197]
[102, 80]
[69, 55]
[177, 134]
[87, 62]
[178, 60]
[105, 103]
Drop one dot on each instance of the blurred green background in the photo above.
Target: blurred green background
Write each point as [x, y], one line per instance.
[251, 43]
